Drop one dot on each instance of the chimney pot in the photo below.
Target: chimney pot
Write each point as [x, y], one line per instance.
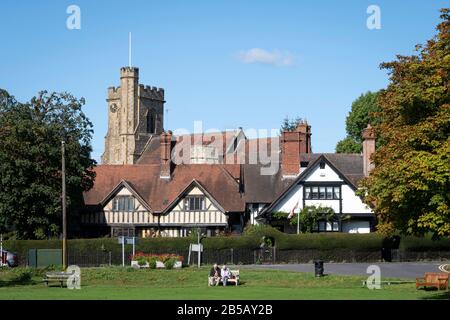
[166, 152]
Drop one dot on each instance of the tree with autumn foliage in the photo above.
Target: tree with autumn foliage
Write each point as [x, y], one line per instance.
[410, 185]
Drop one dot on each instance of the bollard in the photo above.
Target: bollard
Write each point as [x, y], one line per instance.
[318, 268]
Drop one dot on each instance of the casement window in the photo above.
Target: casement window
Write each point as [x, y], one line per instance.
[322, 193]
[123, 203]
[194, 203]
[324, 226]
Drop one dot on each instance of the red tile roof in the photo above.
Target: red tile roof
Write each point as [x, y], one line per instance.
[159, 193]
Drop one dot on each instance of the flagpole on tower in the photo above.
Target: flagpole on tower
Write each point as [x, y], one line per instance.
[129, 49]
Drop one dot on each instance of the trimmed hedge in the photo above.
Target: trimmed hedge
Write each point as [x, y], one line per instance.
[424, 244]
[322, 243]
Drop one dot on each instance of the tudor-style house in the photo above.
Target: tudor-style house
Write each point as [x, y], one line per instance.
[224, 181]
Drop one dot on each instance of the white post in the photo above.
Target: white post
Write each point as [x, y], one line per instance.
[134, 242]
[123, 251]
[1, 249]
[298, 223]
[198, 242]
[129, 49]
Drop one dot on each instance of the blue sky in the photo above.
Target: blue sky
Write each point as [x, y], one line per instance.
[315, 57]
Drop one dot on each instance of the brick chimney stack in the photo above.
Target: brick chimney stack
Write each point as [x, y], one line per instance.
[368, 136]
[294, 143]
[166, 151]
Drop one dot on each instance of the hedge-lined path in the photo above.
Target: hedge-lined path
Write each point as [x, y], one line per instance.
[403, 270]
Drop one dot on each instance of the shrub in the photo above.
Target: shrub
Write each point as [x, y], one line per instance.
[141, 261]
[168, 259]
[169, 263]
[152, 262]
[23, 276]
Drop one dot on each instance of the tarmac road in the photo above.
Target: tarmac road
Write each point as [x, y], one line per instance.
[402, 270]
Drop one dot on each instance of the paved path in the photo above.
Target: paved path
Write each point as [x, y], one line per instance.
[403, 270]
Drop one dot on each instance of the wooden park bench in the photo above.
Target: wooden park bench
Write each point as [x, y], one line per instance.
[434, 280]
[60, 277]
[234, 277]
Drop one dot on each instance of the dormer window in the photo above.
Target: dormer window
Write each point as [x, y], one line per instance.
[322, 165]
[194, 203]
[123, 203]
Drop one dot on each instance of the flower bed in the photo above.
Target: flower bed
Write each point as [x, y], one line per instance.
[153, 261]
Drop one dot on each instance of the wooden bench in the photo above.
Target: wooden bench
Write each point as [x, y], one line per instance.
[234, 277]
[434, 280]
[60, 277]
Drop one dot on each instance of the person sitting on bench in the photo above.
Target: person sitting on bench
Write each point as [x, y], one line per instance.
[214, 275]
[226, 274]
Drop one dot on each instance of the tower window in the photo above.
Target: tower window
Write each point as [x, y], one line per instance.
[150, 123]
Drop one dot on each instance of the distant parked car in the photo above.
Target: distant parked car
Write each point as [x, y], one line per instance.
[11, 258]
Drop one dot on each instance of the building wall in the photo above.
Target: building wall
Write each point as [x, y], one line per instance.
[172, 223]
[352, 203]
[128, 106]
[327, 174]
[360, 226]
[290, 200]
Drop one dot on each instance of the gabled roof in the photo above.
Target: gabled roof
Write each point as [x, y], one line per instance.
[350, 165]
[222, 140]
[124, 184]
[186, 190]
[315, 160]
[160, 193]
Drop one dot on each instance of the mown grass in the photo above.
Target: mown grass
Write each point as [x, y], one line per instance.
[191, 283]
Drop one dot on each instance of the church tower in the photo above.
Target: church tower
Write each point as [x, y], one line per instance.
[135, 114]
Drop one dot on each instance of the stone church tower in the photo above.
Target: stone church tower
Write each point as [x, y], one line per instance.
[135, 114]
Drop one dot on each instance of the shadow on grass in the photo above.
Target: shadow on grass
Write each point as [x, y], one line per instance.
[440, 295]
[17, 282]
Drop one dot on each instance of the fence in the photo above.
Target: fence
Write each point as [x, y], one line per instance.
[270, 255]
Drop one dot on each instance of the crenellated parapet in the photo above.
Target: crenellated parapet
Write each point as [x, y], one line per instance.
[113, 93]
[129, 72]
[153, 93]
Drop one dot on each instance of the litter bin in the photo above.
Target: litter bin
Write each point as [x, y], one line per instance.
[318, 268]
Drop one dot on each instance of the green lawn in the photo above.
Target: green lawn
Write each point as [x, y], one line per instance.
[191, 283]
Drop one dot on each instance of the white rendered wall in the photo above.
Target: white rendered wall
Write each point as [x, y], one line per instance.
[327, 174]
[351, 203]
[356, 226]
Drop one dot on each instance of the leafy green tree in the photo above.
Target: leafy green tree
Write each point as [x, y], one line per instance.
[410, 185]
[348, 145]
[290, 124]
[309, 217]
[30, 162]
[364, 111]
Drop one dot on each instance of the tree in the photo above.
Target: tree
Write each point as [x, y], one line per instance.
[410, 185]
[290, 124]
[348, 145]
[364, 111]
[309, 217]
[30, 162]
